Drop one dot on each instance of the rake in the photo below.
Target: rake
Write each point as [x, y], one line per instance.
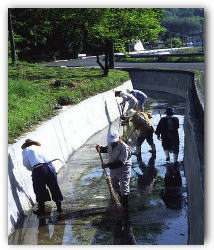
[113, 195]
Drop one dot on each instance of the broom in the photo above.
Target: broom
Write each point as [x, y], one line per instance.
[114, 198]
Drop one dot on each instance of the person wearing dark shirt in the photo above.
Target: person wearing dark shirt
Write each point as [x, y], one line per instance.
[167, 131]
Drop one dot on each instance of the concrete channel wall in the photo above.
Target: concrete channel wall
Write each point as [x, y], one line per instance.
[60, 136]
[184, 84]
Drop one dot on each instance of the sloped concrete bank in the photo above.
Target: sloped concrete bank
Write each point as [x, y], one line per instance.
[60, 136]
[185, 84]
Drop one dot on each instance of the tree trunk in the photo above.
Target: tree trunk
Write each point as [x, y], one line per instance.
[12, 44]
[108, 58]
[110, 49]
[99, 63]
[106, 70]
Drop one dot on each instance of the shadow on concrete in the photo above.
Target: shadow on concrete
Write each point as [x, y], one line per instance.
[107, 113]
[16, 188]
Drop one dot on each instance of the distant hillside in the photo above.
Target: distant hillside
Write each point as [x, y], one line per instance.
[183, 20]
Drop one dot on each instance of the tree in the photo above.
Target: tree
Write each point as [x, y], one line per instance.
[123, 25]
[183, 20]
[47, 33]
[11, 35]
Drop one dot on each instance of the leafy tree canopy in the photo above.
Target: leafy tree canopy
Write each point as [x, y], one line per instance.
[63, 32]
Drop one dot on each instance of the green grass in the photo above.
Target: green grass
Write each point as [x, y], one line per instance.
[162, 59]
[200, 83]
[32, 94]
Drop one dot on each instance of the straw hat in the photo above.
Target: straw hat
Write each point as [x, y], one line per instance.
[29, 143]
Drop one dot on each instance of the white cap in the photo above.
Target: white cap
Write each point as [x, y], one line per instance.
[131, 112]
[113, 137]
[128, 91]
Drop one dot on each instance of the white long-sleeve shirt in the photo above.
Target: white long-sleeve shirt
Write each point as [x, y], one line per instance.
[128, 98]
[33, 155]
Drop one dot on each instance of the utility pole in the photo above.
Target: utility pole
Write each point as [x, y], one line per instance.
[11, 35]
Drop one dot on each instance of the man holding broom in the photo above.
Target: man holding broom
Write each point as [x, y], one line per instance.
[119, 165]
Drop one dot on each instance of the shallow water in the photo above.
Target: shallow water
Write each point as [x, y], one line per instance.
[158, 198]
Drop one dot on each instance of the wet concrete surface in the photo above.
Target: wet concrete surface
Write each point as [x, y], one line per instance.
[158, 198]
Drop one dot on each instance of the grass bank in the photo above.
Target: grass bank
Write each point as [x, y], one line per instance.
[162, 59]
[35, 92]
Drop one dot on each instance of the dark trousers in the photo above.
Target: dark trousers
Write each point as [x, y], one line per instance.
[170, 142]
[148, 137]
[45, 176]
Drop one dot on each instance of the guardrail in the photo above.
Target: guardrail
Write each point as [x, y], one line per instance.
[164, 55]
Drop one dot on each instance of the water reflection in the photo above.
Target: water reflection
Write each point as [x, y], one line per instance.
[48, 232]
[172, 192]
[123, 232]
[146, 180]
[87, 217]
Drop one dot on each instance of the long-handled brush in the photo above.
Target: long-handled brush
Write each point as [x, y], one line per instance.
[113, 195]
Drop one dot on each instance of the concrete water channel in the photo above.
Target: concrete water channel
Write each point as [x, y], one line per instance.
[158, 199]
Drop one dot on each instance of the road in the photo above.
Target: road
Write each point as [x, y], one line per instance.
[91, 62]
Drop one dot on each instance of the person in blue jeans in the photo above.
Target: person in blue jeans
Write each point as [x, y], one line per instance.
[43, 175]
[140, 96]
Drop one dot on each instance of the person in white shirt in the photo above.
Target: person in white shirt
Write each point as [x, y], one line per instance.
[43, 175]
[132, 101]
[140, 96]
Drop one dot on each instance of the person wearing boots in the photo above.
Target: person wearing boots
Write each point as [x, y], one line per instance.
[119, 164]
[167, 131]
[140, 96]
[141, 122]
[43, 175]
[132, 101]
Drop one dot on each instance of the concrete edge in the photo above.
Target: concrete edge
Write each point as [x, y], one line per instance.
[60, 136]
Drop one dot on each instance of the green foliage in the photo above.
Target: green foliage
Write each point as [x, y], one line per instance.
[49, 33]
[183, 20]
[32, 94]
[176, 42]
[163, 59]
[124, 25]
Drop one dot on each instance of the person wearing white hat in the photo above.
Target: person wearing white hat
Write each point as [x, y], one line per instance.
[140, 96]
[141, 122]
[119, 164]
